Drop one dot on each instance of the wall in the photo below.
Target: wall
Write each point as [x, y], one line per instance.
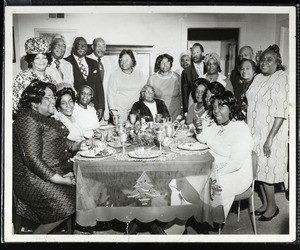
[167, 32]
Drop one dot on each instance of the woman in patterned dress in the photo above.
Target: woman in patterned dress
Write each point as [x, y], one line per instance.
[267, 119]
[167, 85]
[42, 172]
[38, 59]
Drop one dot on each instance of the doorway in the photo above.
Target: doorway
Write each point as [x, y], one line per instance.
[223, 41]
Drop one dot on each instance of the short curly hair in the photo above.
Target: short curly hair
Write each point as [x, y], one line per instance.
[227, 98]
[61, 93]
[34, 93]
[128, 52]
[161, 57]
[253, 64]
[29, 58]
[215, 88]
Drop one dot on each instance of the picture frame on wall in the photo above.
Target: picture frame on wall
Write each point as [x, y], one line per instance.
[49, 34]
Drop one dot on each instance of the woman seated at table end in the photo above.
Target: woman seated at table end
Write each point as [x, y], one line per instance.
[148, 106]
[42, 172]
[197, 108]
[84, 112]
[65, 106]
[231, 143]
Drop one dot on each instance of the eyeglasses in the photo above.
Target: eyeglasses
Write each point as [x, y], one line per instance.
[53, 98]
[149, 92]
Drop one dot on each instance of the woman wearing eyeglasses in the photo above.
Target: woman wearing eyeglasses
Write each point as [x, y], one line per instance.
[148, 106]
[42, 172]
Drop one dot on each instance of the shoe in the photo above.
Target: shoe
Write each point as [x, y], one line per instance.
[264, 218]
[258, 213]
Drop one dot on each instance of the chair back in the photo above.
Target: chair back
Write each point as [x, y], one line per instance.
[254, 164]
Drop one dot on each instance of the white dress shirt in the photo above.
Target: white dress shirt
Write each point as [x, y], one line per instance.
[66, 69]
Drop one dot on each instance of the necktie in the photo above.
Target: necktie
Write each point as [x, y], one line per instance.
[101, 68]
[82, 69]
[59, 69]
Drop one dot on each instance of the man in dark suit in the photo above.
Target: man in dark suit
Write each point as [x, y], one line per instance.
[86, 72]
[191, 73]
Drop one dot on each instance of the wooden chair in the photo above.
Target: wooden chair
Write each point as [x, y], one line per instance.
[22, 213]
[248, 194]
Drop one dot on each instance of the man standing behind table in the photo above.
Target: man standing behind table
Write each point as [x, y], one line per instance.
[86, 72]
[99, 49]
[59, 69]
[191, 73]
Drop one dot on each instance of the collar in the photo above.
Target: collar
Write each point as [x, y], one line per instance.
[77, 58]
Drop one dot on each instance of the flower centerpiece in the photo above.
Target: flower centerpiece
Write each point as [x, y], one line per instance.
[142, 134]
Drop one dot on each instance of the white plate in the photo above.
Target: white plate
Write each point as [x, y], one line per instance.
[104, 127]
[91, 153]
[153, 154]
[194, 146]
[118, 144]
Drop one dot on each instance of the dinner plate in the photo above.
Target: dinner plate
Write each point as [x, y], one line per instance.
[153, 154]
[192, 146]
[101, 154]
[118, 144]
[104, 127]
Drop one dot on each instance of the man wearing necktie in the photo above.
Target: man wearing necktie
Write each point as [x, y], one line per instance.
[99, 49]
[86, 72]
[191, 73]
[60, 70]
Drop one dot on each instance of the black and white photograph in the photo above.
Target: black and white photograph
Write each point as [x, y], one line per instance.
[150, 124]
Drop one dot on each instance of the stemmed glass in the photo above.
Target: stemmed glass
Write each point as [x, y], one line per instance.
[123, 139]
[132, 118]
[160, 137]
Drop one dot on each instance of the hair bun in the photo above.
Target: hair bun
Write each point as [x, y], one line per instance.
[274, 48]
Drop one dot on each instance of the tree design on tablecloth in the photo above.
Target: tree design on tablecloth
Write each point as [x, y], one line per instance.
[143, 190]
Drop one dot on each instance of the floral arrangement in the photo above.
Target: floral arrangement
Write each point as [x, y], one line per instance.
[142, 134]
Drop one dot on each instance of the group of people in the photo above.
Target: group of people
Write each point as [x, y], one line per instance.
[58, 101]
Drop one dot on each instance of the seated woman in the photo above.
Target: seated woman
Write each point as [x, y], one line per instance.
[65, 106]
[42, 172]
[84, 112]
[230, 143]
[148, 106]
[203, 121]
[197, 108]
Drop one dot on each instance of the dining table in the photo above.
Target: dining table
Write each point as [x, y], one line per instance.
[173, 184]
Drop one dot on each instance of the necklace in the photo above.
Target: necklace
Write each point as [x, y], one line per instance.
[200, 110]
[222, 128]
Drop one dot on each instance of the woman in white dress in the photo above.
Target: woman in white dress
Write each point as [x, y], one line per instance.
[65, 103]
[84, 112]
[230, 142]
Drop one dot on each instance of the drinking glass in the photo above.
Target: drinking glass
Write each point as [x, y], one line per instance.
[158, 118]
[123, 139]
[132, 118]
[160, 137]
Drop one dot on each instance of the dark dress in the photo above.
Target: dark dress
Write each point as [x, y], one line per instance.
[141, 110]
[40, 150]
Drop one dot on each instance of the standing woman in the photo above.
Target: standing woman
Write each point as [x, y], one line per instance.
[124, 85]
[212, 62]
[167, 85]
[267, 119]
[42, 172]
[38, 59]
